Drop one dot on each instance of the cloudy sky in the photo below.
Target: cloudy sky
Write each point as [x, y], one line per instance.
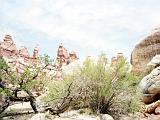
[85, 26]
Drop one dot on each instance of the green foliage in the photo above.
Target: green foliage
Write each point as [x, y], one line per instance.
[46, 59]
[3, 64]
[4, 75]
[24, 81]
[100, 87]
[56, 89]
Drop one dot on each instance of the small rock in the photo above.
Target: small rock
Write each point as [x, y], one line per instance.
[19, 107]
[106, 117]
[157, 110]
[39, 116]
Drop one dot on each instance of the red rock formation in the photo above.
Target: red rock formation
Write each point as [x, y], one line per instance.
[119, 57]
[145, 51]
[64, 57]
[113, 60]
[23, 52]
[72, 56]
[8, 48]
[17, 59]
[152, 111]
[36, 52]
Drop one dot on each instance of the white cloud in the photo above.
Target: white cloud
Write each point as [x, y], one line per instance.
[88, 23]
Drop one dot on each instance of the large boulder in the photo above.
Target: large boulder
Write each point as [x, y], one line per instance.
[145, 51]
[72, 67]
[150, 86]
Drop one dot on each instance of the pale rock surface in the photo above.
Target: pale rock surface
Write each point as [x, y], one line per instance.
[19, 107]
[39, 116]
[150, 89]
[106, 117]
[72, 67]
[150, 86]
[75, 115]
[155, 61]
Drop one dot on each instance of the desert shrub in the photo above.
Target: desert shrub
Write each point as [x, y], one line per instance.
[98, 85]
[46, 59]
[12, 82]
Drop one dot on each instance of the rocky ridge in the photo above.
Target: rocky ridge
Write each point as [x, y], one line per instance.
[19, 59]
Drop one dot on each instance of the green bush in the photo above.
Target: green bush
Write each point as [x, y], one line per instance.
[11, 82]
[97, 85]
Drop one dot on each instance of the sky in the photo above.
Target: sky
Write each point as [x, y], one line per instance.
[87, 27]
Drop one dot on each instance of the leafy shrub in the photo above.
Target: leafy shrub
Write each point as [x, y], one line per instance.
[97, 85]
[11, 82]
[46, 59]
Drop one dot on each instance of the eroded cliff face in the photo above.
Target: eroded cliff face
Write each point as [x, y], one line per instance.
[7, 47]
[145, 51]
[20, 59]
[17, 59]
[64, 57]
[116, 59]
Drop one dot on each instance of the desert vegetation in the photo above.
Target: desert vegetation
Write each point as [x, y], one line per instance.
[100, 86]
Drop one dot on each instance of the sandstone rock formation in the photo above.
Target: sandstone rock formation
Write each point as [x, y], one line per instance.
[149, 86]
[152, 111]
[36, 52]
[145, 51]
[17, 59]
[63, 58]
[114, 60]
[7, 47]
[150, 89]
